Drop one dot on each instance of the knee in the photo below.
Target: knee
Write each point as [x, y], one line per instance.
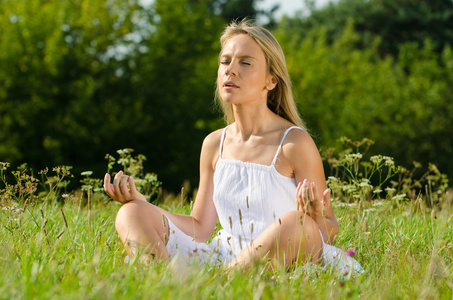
[298, 218]
[132, 212]
[304, 229]
[300, 224]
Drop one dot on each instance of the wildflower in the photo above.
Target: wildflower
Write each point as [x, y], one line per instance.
[349, 188]
[351, 252]
[150, 177]
[125, 151]
[390, 190]
[369, 209]
[399, 197]
[345, 271]
[417, 165]
[4, 165]
[388, 161]
[353, 157]
[365, 184]
[87, 173]
[356, 155]
[376, 159]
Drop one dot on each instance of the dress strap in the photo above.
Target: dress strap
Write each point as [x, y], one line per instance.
[221, 141]
[281, 143]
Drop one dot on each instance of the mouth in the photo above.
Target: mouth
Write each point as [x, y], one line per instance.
[230, 84]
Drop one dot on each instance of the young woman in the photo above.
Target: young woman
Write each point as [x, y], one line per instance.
[261, 176]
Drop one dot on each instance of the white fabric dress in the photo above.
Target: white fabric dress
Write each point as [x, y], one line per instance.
[248, 198]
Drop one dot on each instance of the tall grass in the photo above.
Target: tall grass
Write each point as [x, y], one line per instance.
[406, 254]
[56, 245]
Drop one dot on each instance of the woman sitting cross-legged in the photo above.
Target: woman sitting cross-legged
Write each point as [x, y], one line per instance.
[261, 176]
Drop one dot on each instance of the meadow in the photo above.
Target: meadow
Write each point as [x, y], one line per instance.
[58, 244]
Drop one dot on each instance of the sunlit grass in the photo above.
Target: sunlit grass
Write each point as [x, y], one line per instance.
[406, 253]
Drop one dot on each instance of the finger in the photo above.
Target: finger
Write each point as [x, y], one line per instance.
[326, 197]
[305, 195]
[123, 186]
[299, 196]
[107, 184]
[313, 192]
[116, 183]
[132, 187]
[299, 190]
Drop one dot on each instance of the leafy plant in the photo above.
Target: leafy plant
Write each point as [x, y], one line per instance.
[355, 179]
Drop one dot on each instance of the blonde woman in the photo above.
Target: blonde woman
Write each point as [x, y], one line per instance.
[261, 176]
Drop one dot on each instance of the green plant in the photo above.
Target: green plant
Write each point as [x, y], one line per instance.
[354, 179]
[147, 184]
[25, 186]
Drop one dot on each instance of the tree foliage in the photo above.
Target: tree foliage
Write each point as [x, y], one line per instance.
[402, 103]
[394, 21]
[83, 78]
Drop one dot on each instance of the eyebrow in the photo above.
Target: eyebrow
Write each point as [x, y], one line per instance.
[240, 57]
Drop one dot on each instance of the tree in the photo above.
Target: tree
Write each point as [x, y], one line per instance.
[80, 79]
[57, 72]
[395, 22]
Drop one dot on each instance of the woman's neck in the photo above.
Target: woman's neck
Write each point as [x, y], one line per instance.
[253, 120]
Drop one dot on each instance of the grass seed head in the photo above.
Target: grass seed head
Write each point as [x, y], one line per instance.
[163, 221]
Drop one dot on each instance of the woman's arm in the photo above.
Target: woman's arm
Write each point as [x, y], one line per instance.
[201, 222]
[312, 195]
[203, 218]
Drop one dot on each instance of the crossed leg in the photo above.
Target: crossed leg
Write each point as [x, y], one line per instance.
[294, 238]
[143, 229]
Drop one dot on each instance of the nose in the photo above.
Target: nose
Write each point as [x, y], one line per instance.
[229, 70]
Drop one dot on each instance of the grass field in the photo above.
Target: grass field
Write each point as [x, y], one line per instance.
[56, 244]
[71, 251]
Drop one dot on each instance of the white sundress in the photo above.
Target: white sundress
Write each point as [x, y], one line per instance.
[248, 198]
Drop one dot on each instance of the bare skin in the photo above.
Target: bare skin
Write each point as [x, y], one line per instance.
[244, 82]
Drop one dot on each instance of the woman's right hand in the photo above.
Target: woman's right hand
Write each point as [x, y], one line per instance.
[119, 190]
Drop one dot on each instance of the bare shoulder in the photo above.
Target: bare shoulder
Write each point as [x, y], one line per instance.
[298, 139]
[212, 140]
[211, 144]
[299, 145]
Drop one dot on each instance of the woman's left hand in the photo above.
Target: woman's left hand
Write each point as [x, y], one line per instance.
[309, 201]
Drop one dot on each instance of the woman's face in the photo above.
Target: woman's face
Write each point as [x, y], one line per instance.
[242, 76]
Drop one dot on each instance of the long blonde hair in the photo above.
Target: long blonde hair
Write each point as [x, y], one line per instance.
[280, 99]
